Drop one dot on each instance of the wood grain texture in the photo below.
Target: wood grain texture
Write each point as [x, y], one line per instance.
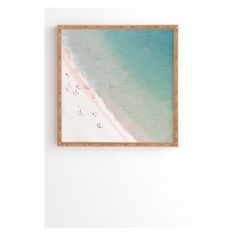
[116, 144]
[59, 93]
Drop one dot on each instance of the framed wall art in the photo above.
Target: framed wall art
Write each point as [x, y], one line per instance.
[117, 85]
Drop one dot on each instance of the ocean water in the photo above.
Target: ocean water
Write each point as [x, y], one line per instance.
[133, 72]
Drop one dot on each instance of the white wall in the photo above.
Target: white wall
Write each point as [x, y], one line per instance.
[115, 187]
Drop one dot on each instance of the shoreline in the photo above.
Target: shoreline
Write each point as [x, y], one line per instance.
[84, 114]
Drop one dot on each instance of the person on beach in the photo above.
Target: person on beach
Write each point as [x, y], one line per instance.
[99, 125]
[80, 113]
[75, 92]
[93, 114]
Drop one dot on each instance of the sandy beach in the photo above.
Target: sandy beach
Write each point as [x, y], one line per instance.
[85, 117]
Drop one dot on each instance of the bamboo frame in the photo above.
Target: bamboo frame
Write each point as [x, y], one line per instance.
[116, 144]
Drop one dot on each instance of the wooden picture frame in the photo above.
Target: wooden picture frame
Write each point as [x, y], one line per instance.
[60, 141]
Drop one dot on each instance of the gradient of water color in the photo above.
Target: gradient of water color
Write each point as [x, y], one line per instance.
[133, 72]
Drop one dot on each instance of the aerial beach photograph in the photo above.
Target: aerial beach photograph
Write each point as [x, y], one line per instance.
[117, 85]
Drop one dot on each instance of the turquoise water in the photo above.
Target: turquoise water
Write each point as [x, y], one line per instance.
[132, 71]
